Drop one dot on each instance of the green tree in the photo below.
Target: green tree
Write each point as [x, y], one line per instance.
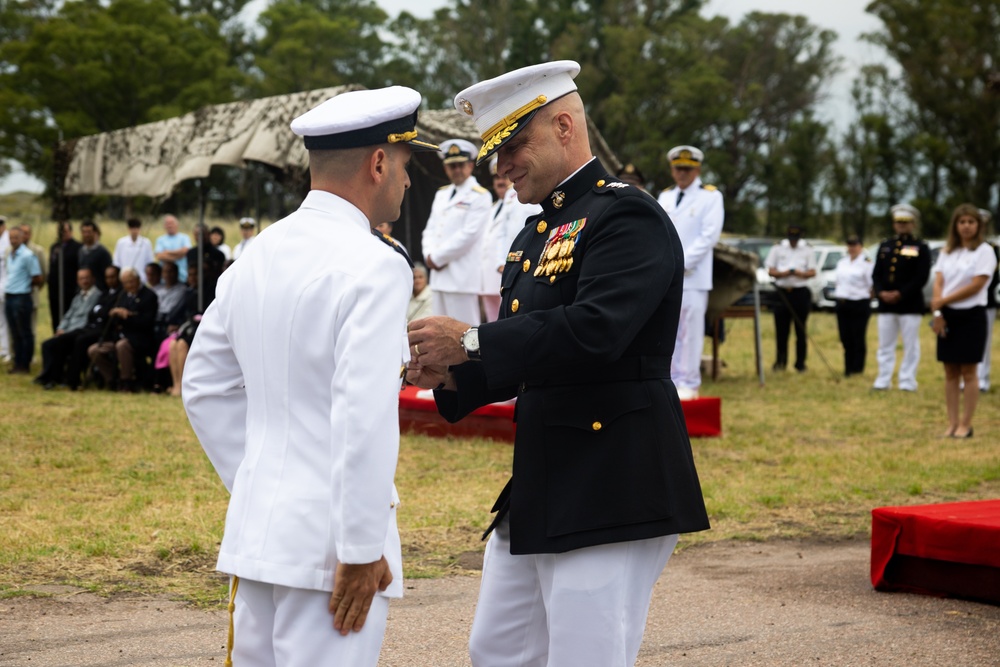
[311, 44]
[92, 68]
[948, 52]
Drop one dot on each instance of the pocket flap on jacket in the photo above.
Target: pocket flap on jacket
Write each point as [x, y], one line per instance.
[593, 407]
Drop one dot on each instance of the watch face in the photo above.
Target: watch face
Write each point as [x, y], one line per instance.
[471, 340]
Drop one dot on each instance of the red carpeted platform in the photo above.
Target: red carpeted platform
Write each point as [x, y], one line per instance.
[951, 549]
[418, 413]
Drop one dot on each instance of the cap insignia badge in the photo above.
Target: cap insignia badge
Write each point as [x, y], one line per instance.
[466, 106]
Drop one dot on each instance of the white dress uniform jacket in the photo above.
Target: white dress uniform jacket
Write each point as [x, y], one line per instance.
[698, 220]
[292, 386]
[503, 226]
[453, 235]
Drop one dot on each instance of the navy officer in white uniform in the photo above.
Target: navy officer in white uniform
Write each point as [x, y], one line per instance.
[292, 388]
[697, 212]
[455, 232]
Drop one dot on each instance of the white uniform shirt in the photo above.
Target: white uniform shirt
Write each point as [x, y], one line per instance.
[500, 232]
[240, 247]
[292, 387]
[783, 257]
[960, 266]
[136, 254]
[698, 220]
[4, 251]
[853, 278]
[455, 229]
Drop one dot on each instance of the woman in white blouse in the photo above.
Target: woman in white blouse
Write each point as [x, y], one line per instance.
[853, 293]
[961, 274]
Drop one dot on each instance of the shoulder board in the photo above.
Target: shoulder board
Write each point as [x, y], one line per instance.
[478, 188]
[391, 242]
[444, 187]
[667, 189]
[710, 188]
[868, 259]
[613, 185]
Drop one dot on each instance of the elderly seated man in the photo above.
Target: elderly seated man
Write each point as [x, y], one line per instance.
[129, 335]
[170, 301]
[56, 350]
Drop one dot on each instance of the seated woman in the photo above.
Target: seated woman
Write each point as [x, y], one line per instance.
[961, 275]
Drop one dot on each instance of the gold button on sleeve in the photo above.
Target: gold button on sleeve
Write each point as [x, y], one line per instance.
[541, 226]
[597, 426]
[514, 305]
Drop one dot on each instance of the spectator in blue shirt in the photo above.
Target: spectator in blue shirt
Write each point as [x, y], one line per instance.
[23, 273]
[173, 247]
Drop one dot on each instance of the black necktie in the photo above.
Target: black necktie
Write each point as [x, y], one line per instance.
[499, 208]
[453, 191]
[680, 196]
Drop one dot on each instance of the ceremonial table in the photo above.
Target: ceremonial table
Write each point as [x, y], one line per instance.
[418, 413]
[949, 549]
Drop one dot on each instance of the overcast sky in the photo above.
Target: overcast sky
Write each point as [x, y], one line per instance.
[845, 17]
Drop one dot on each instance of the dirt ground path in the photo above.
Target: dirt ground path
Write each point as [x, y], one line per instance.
[770, 604]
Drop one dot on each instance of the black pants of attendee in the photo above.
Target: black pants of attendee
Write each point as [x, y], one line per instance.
[79, 360]
[56, 352]
[852, 323]
[794, 307]
[18, 309]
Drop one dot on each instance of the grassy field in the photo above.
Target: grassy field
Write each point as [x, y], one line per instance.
[113, 493]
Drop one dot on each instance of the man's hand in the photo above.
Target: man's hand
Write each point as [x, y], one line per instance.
[354, 586]
[435, 341]
[890, 296]
[429, 377]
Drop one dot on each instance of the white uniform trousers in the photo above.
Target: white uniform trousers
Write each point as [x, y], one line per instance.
[984, 365]
[582, 607]
[685, 367]
[459, 306]
[491, 306]
[891, 326]
[278, 626]
[4, 332]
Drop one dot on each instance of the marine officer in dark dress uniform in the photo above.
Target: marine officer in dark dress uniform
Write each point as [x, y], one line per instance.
[603, 477]
[902, 267]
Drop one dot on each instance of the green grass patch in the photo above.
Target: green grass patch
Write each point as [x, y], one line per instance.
[113, 493]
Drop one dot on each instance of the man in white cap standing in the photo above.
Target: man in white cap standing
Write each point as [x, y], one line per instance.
[901, 269]
[454, 233]
[292, 387]
[697, 212]
[603, 478]
[247, 228]
[506, 221]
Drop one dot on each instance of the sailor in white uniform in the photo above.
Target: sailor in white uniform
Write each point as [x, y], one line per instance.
[506, 219]
[454, 234]
[697, 213]
[292, 388]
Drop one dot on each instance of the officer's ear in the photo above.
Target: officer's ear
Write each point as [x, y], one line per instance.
[378, 164]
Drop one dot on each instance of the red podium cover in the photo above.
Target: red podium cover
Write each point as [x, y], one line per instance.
[966, 534]
[418, 413]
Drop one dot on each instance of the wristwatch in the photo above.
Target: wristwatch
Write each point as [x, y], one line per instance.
[470, 341]
[938, 313]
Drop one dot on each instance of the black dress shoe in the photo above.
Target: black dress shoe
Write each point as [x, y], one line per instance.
[48, 386]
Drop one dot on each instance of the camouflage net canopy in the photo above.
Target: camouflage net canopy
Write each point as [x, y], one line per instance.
[152, 159]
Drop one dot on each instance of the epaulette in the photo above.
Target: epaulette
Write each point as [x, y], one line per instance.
[667, 189]
[444, 187]
[392, 243]
[478, 188]
[710, 188]
[612, 185]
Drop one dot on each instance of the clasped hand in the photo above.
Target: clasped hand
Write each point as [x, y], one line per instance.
[435, 344]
